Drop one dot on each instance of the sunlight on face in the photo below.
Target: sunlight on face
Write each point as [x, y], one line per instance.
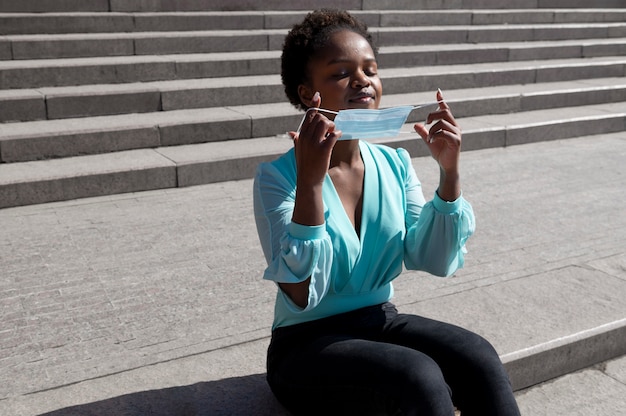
[345, 73]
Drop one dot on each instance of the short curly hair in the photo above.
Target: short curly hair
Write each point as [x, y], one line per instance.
[306, 39]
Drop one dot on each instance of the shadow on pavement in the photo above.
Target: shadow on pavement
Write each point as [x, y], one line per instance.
[239, 396]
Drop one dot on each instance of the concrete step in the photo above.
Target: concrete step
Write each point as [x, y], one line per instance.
[145, 97]
[128, 69]
[184, 42]
[59, 23]
[168, 94]
[27, 141]
[109, 70]
[39, 6]
[142, 169]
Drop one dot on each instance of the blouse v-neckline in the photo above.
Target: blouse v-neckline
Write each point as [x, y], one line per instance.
[345, 219]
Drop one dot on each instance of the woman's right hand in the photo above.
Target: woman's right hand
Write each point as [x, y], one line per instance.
[313, 149]
[314, 145]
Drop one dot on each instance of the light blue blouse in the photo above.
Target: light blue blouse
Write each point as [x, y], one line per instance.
[348, 272]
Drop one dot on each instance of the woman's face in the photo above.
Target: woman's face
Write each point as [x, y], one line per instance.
[345, 73]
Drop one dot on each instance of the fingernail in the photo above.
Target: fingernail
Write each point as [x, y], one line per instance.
[439, 91]
[316, 96]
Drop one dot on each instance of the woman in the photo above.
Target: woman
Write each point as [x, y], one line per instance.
[337, 219]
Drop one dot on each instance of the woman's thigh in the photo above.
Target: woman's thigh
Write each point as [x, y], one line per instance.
[342, 375]
[469, 363]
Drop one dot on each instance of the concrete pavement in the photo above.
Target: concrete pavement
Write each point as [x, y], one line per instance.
[152, 303]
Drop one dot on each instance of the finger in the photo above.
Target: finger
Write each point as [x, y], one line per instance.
[452, 138]
[332, 138]
[311, 112]
[443, 111]
[322, 128]
[441, 101]
[445, 125]
[441, 115]
[421, 130]
[317, 100]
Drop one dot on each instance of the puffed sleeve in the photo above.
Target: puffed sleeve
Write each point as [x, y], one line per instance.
[293, 251]
[436, 231]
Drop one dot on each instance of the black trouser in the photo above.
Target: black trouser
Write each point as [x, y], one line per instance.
[374, 361]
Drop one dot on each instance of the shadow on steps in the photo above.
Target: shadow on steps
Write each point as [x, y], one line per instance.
[237, 396]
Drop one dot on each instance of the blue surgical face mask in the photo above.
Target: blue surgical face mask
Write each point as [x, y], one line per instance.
[369, 124]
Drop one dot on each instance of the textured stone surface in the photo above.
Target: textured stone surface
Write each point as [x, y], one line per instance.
[152, 302]
[126, 289]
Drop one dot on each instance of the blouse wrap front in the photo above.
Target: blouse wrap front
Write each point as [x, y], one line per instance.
[398, 227]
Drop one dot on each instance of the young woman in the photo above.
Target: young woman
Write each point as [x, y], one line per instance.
[337, 220]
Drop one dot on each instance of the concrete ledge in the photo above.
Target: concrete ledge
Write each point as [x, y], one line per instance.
[86, 176]
[479, 133]
[159, 22]
[54, 139]
[203, 125]
[224, 92]
[69, 46]
[5, 50]
[579, 3]
[83, 71]
[39, 6]
[232, 160]
[214, 162]
[201, 42]
[31, 23]
[57, 23]
[600, 49]
[22, 105]
[217, 5]
[101, 100]
[128, 69]
[69, 137]
[539, 363]
[108, 99]
[485, 75]
[213, 41]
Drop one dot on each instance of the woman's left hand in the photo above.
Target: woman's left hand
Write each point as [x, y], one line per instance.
[444, 136]
[444, 142]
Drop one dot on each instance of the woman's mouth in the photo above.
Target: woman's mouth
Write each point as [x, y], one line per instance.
[362, 99]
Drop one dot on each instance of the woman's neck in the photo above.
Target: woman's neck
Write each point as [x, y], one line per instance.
[346, 153]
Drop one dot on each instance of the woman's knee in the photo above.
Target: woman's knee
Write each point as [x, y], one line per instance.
[422, 388]
[484, 359]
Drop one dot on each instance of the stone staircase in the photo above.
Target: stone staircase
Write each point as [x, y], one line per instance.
[114, 96]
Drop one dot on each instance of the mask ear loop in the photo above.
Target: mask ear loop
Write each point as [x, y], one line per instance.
[311, 109]
[427, 105]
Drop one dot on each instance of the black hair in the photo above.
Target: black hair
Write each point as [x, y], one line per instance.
[306, 39]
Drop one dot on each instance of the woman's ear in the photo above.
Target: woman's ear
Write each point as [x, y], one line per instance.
[306, 95]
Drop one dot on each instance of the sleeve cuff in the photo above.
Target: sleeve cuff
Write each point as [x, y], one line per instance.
[307, 232]
[447, 207]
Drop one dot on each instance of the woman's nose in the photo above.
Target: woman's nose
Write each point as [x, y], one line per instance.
[360, 80]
